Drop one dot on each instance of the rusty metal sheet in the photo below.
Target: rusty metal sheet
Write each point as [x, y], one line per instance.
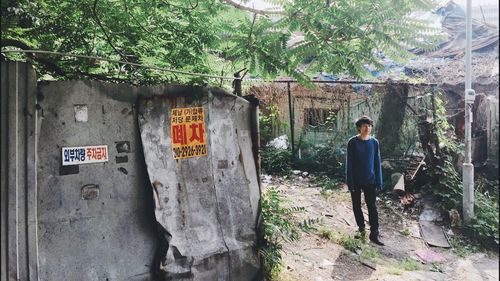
[206, 204]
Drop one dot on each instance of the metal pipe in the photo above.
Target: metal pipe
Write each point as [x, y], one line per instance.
[468, 168]
[290, 111]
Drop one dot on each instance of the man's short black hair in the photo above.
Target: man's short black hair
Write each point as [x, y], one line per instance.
[364, 120]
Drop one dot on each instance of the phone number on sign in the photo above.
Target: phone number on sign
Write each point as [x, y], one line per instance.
[190, 151]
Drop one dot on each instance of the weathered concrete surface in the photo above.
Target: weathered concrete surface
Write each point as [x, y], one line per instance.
[207, 205]
[96, 221]
[18, 251]
[103, 221]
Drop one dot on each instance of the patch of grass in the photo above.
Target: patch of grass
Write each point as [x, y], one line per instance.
[326, 233]
[369, 253]
[436, 267]
[405, 232]
[327, 183]
[326, 193]
[407, 264]
[462, 248]
[349, 243]
[394, 270]
[410, 264]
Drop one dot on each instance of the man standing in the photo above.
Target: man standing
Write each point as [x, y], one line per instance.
[364, 173]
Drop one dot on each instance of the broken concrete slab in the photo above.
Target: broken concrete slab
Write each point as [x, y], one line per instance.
[433, 234]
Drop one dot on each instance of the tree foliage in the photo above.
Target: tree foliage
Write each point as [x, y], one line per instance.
[212, 36]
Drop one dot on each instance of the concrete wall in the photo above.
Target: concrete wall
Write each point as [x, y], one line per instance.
[188, 219]
[95, 221]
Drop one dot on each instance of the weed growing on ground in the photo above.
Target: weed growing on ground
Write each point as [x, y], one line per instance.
[277, 229]
[407, 264]
[369, 253]
[349, 243]
[461, 248]
[327, 183]
[436, 267]
[405, 232]
[309, 225]
[410, 264]
[326, 233]
[325, 193]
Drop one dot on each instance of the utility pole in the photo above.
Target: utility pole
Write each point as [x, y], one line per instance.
[470, 95]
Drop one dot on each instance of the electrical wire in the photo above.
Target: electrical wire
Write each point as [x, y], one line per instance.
[122, 62]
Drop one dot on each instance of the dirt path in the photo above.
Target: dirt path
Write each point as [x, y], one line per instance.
[317, 258]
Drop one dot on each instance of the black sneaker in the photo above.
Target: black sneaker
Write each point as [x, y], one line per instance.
[375, 238]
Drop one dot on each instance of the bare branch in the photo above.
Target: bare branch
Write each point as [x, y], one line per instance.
[249, 41]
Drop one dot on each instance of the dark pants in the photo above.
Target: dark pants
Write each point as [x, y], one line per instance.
[370, 197]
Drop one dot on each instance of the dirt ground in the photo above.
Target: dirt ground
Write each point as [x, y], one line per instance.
[316, 258]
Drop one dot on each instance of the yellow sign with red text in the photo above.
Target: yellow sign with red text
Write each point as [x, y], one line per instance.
[187, 131]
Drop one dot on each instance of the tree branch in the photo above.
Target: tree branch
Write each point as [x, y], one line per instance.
[255, 11]
[249, 40]
[94, 10]
[133, 17]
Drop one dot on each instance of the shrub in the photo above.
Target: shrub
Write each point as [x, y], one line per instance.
[275, 161]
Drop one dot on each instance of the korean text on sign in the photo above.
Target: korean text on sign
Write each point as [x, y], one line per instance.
[187, 131]
[84, 155]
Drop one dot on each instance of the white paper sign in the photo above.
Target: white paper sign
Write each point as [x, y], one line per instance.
[84, 155]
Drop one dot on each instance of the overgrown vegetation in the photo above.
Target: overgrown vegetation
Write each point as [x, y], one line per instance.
[327, 159]
[270, 124]
[215, 37]
[462, 248]
[447, 185]
[278, 228]
[275, 160]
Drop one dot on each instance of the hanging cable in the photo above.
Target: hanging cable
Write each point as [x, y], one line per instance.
[122, 62]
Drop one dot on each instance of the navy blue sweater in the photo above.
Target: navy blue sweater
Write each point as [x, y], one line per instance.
[363, 163]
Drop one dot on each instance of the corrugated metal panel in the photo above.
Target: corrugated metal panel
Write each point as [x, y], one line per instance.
[18, 172]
